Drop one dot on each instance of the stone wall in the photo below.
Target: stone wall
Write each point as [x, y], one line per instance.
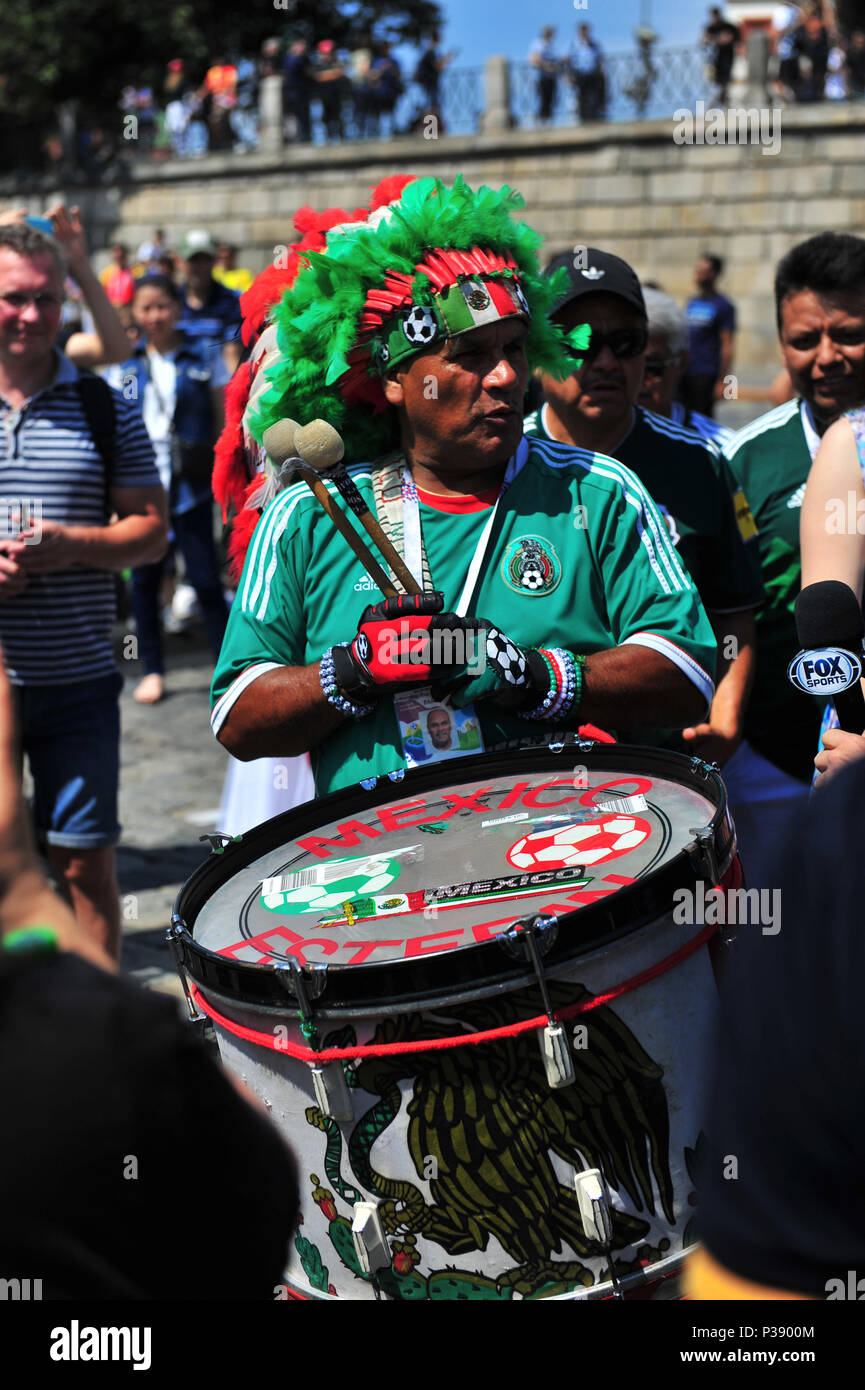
[629, 188]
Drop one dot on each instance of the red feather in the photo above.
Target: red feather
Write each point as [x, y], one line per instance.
[230, 469]
[389, 190]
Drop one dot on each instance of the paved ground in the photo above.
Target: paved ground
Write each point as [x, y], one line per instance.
[171, 777]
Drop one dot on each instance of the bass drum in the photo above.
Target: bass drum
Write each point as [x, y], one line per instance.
[456, 994]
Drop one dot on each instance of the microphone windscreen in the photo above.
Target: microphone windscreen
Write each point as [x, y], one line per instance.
[828, 615]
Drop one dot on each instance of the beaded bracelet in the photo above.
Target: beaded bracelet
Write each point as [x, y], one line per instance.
[330, 690]
[566, 688]
[552, 695]
[556, 660]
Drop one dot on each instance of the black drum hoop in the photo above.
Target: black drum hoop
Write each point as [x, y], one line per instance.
[472, 972]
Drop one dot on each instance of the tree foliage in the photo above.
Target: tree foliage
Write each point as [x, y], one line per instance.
[55, 51]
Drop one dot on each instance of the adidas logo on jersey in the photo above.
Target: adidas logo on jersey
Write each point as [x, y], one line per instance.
[365, 585]
[797, 498]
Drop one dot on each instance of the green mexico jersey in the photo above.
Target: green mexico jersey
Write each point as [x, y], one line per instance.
[603, 573]
[771, 459]
[706, 513]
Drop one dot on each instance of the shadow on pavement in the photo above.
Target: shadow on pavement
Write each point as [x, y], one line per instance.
[142, 869]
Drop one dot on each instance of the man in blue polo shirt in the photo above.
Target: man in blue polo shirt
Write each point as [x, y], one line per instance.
[70, 472]
[211, 311]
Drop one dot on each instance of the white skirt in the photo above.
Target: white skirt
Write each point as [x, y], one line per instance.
[256, 791]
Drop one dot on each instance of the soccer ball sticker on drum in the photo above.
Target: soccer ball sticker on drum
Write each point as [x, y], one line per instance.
[589, 842]
[326, 886]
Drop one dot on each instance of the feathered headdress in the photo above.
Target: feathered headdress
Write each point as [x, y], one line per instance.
[436, 261]
[362, 292]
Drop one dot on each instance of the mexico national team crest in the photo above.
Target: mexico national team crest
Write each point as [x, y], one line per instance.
[531, 566]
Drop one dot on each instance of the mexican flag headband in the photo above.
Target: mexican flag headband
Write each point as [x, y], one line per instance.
[468, 289]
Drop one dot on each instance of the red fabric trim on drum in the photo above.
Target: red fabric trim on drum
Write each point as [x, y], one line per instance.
[342, 1054]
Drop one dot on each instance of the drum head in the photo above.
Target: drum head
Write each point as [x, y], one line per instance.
[401, 891]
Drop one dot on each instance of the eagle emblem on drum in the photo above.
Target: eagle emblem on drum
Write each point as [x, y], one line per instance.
[493, 1129]
[531, 566]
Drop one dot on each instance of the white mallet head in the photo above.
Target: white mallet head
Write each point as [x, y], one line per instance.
[279, 441]
[319, 445]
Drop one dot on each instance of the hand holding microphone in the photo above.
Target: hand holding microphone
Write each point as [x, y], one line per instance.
[830, 627]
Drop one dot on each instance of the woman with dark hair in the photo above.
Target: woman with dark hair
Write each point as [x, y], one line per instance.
[178, 384]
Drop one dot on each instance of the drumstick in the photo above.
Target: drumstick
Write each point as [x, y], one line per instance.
[279, 443]
[320, 446]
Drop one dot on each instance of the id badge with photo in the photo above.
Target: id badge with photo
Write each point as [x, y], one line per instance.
[432, 731]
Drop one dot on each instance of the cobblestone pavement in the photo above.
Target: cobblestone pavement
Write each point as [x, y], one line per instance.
[171, 775]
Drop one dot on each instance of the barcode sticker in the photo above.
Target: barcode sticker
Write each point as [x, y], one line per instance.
[625, 804]
[319, 874]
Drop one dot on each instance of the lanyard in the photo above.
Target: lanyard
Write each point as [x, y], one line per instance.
[166, 407]
[413, 539]
[812, 438]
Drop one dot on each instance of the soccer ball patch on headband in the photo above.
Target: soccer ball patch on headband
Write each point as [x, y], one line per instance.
[472, 302]
[420, 326]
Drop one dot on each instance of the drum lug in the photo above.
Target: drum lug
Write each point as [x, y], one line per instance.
[702, 853]
[332, 1093]
[217, 839]
[698, 765]
[173, 936]
[557, 1057]
[546, 931]
[597, 1219]
[570, 741]
[370, 1239]
[534, 936]
[594, 1205]
[302, 983]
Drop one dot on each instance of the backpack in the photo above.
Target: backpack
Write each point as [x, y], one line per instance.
[98, 406]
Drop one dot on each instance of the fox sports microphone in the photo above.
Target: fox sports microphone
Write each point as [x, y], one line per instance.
[830, 627]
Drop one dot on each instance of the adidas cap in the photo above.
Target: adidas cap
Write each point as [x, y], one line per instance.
[596, 271]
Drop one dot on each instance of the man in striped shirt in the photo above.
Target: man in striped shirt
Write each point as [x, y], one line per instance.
[58, 546]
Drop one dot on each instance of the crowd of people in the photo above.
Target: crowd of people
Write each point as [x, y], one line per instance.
[810, 59]
[674, 628]
[353, 94]
[361, 93]
[582, 68]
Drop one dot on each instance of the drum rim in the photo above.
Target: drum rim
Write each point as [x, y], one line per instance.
[476, 970]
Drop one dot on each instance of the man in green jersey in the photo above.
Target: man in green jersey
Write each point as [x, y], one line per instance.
[595, 408]
[552, 594]
[820, 308]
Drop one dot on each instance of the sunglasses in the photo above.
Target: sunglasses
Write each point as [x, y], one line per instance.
[622, 342]
[656, 366]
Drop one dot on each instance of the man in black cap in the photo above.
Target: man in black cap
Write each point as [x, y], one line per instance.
[707, 516]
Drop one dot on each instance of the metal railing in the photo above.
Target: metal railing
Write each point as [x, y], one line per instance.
[635, 86]
[643, 83]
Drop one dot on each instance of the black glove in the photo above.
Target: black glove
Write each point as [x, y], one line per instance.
[400, 643]
[512, 677]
